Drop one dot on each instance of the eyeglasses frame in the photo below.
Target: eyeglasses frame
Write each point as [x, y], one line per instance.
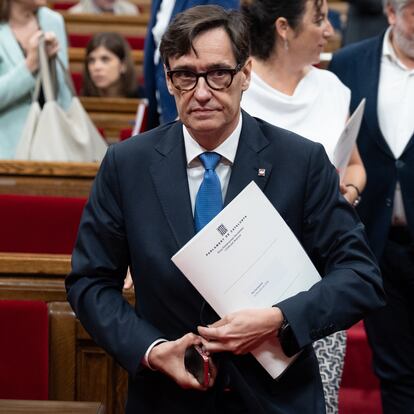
[233, 72]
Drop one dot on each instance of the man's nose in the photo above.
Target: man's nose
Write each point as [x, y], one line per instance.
[202, 91]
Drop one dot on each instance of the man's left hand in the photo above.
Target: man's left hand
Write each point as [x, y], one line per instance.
[242, 331]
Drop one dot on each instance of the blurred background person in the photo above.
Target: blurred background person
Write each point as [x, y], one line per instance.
[286, 90]
[109, 69]
[382, 70]
[161, 104]
[105, 6]
[22, 23]
[365, 18]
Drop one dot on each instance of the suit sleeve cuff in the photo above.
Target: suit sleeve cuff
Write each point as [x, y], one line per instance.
[145, 360]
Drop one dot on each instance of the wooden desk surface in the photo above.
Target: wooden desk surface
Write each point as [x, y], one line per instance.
[50, 407]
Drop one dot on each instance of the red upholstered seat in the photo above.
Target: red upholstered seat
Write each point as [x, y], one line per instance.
[23, 350]
[64, 5]
[359, 392]
[82, 39]
[39, 224]
[77, 79]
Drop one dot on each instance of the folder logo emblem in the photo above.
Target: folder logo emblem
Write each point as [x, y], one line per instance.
[222, 229]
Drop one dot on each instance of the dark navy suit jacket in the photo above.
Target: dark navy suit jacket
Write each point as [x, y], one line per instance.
[154, 75]
[139, 214]
[358, 67]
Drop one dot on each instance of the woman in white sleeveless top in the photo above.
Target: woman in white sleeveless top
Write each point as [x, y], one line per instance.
[287, 38]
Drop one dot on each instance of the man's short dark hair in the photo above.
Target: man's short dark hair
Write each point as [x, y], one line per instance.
[178, 39]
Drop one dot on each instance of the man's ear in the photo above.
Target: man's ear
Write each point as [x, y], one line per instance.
[168, 82]
[391, 14]
[246, 73]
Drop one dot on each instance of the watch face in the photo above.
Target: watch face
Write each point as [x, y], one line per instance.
[285, 323]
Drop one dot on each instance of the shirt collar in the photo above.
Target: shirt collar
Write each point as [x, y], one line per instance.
[227, 149]
[389, 52]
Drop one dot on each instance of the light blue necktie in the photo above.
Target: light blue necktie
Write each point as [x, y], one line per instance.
[208, 201]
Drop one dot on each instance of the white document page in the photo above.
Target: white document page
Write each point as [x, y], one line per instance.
[248, 257]
[346, 142]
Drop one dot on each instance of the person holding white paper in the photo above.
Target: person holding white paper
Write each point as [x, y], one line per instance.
[286, 90]
[154, 192]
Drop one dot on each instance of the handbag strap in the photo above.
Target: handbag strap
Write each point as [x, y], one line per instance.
[47, 75]
[66, 75]
[45, 72]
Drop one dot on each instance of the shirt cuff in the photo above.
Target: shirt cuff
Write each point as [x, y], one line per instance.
[145, 360]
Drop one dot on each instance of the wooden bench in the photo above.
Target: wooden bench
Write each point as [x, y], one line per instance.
[144, 6]
[50, 407]
[78, 369]
[112, 115]
[65, 179]
[106, 22]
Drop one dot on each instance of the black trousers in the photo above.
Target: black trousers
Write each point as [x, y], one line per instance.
[391, 330]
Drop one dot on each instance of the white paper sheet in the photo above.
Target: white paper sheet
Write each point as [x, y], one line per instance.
[346, 142]
[247, 257]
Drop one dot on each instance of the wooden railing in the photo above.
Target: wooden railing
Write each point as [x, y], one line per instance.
[68, 179]
[106, 22]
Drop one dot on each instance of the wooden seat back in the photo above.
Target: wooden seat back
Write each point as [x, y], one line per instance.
[65, 179]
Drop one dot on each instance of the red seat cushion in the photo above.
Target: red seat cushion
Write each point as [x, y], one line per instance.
[64, 5]
[359, 392]
[23, 350]
[77, 79]
[39, 224]
[82, 39]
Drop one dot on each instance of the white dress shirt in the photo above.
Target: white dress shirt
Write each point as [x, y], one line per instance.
[395, 110]
[195, 175]
[195, 168]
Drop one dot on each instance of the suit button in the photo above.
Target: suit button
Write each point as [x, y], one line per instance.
[399, 164]
[388, 202]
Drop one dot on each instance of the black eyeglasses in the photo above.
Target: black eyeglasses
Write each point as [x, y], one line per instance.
[217, 79]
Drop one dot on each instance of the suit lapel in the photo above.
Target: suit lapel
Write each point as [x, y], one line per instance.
[409, 146]
[169, 175]
[248, 164]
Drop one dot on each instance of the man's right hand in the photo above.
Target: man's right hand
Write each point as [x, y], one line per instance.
[168, 357]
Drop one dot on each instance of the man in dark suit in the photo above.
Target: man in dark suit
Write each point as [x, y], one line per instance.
[161, 107]
[140, 213]
[381, 70]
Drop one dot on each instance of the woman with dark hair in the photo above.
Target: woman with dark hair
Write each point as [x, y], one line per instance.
[286, 90]
[22, 23]
[109, 70]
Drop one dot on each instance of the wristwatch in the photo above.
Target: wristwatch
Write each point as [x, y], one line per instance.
[358, 199]
[283, 327]
[287, 339]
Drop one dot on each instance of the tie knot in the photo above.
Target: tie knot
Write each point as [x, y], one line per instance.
[210, 160]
